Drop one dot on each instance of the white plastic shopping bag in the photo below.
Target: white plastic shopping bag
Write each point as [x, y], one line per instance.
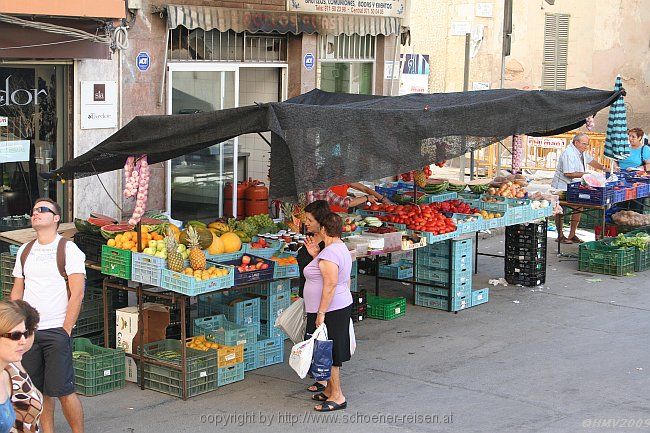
[353, 339]
[303, 352]
[293, 321]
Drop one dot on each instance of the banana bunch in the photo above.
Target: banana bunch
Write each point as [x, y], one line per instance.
[218, 227]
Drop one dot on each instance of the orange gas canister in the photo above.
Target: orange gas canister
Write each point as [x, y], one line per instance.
[227, 199]
[257, 198]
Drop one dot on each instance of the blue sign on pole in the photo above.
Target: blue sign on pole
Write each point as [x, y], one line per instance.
[143, 60]
[309, 61]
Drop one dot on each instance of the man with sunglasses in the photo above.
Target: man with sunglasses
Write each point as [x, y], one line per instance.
[42, 285]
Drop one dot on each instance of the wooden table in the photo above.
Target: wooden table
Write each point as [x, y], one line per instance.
[19, 237]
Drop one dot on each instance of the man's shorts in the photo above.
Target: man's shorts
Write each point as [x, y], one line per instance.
[49, 362]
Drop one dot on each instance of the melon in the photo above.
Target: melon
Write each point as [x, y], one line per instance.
[84, 226]
[102, 217]
[109, 231]
[217, 246]
[231, 242]
[456, 186]
[154, 225]
[478, 186]
[205, 237]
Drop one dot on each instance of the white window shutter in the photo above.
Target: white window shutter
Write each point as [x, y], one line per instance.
[556, 51]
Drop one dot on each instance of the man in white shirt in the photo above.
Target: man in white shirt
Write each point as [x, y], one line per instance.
[41, 284]
[572, 165]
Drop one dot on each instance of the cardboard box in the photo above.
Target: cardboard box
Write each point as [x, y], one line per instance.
[156, 320]
[131, 370]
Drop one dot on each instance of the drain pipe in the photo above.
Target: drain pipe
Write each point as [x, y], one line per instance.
[164, 70]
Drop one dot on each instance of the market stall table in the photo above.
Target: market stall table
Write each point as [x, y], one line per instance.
[20, 237]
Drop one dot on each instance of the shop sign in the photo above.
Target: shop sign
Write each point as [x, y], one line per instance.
[484, 10]
[14, 150]
[18, 96]
[381, 8]
[4, 121]
[547, 142]
[415, 74]
[98, 104]
[143, 61]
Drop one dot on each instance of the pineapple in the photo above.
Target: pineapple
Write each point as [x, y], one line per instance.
[420, 178]
[174, 258]
[197, 257]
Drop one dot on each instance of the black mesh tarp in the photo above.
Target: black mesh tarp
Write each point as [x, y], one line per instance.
[321, 139]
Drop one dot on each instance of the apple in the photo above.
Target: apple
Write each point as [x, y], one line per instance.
[152, 244]
[265, 266]
[160, 246]
[148, 251]
[181, 248]
[259, 265]
[245, 260]
[353, 227]
[161, 255]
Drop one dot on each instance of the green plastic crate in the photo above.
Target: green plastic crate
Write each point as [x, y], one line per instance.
[599, 258]
[91, 315]
[116, 262]
[224, 332]
[201, 370]
[7, 262]
[100, 372]
[641, 257]
[386, 308]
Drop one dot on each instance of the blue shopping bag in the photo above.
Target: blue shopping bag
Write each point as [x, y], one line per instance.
[321, 363]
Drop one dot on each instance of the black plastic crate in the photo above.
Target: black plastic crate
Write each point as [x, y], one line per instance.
[526, 255]
[528, 280]
[529, 267]
[359, 298]
[91, 245]
[359, 313]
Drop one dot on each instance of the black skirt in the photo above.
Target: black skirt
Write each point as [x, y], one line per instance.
[338, 330]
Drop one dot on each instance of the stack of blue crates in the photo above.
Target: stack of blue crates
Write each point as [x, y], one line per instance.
[448, 265]
[354, 277]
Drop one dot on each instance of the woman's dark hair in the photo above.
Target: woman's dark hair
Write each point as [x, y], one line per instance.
[333, 225]
[31, 315]
[319, 209]
[636, 131]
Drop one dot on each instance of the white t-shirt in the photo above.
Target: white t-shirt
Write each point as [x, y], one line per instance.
[45, 288]
[571, 161]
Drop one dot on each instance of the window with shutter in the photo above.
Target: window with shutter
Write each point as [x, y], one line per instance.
[556, 51]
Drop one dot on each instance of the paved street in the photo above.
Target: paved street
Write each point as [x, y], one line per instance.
[549, 359]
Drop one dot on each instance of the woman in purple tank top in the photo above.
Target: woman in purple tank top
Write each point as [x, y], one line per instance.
[328, 300]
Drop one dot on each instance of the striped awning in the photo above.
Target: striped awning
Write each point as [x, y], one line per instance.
[617, 144]
[253, 21]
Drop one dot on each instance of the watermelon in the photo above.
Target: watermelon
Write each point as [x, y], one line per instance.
[99, 216]
[436, 186]
[84, 226]
[109, 231]
[456, 186]
[479, 186]
[154, 225]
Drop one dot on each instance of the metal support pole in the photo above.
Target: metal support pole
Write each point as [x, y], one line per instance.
[465, 89]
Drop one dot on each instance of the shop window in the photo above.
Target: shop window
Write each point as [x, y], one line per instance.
[346, 63]
[33, 139]
[216, 46]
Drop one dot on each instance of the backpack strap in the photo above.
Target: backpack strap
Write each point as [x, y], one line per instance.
[60, 259]
[23, 256]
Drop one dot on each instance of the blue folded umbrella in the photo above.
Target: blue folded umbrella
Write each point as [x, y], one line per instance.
[617, 145]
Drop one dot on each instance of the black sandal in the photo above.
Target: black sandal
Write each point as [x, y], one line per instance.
[319, 387]
[319, 397]
[330, 406]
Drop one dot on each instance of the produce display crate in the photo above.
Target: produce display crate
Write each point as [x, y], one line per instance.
[201, 370]
[390, 189]
[231, 374]
[354, 284]
[359, 312]
[456, 276]
[432, 238]
[529, 267]
[225, 257]
[442, 303]
[460, 291]
[272, 306]
[468, 223]
[386, 308]
[643, 190]
[241, 310]
[392, 241]
[266, 253]
[360, 297]
[91, 315]
[268, 329]
[401, 270]
[188, 285]
[459, 248]
[480, 296]
[270, 350]
[147, 269]
[116, 262]
[630, 193]
[242, 278]
[226, 355]
[218, 329]
[526, 279]
[641, 257]
[436, 198]
[7, 263]
[355, 268]
[99, 372]
[285, 271]
[577, 193]
[499, 207]
[250, 355]
[275, 287]
[523, 254]
[91, 245]
[600, 258]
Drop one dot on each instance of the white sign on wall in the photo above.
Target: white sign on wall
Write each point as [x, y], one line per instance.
[98, 104]
[383, 8]
[479, 85]
[484, 10]
[460, 28]
[4, 121]
[415, 74]
[14, 150]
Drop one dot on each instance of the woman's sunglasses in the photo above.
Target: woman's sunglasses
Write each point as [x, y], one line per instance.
[16, 335]
[42, 209]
